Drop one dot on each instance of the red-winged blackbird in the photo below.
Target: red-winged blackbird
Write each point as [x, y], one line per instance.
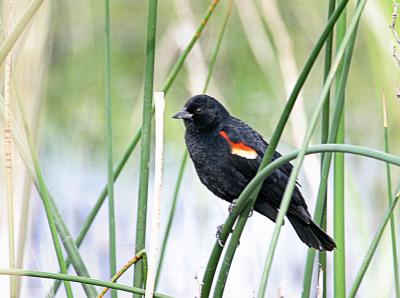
[226, 153]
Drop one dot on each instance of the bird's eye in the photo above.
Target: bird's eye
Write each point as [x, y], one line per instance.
[198, 110]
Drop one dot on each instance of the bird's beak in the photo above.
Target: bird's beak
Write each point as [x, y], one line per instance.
[183, 114]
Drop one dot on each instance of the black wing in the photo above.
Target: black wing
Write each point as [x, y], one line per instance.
[274, 186]
[240, 133]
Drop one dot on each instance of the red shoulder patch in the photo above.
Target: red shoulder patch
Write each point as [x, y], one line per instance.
[240, 149]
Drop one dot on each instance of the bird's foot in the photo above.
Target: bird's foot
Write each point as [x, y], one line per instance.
[218, 235]
[232, 206]
[251, 213]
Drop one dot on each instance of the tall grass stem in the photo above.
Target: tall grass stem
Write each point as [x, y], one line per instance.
[339, 268]
[137, 135]
[78, 279]
[54, 217]
[182, 166]
[390, 200]
[372, 247]
[324, 135]
[292, 180]
[217, 250]
[44, 194]
[27, 187]
[319, 212]
[109, 134]
[146, 138]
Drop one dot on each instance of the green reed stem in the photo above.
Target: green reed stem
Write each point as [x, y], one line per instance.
[44, 194]
[78, 279]
[292, 180]
[146, 138]
[325, 130]
[390, 200]
[217, 249]
[27, 184]
[339, 268]
[135, 140]
[392, 223]
[108, 112]
[323, 148]
[327, 67]
[52, 212]
[320, 208]
[372, 247]
[230, 253]
[121, 164]
[178, 183]
[265, 172]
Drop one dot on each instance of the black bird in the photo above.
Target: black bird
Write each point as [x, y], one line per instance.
[227, 152]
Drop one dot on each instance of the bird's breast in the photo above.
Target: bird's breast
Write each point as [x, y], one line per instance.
[206, 150]
[210, 156]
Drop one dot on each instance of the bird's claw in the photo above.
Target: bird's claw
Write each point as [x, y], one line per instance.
[251, 213]
[232, 206]
[218, 235]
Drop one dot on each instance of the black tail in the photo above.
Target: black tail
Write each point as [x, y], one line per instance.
[311, 234]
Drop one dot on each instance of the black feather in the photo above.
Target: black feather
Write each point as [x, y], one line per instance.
[212, 135]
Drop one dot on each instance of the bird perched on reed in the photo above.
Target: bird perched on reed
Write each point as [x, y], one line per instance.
[227, 152]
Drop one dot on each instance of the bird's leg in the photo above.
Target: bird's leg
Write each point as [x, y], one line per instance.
[218, 235]
[232, 205]
[220, 228]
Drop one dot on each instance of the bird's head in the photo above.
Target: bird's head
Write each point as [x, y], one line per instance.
[202, 112]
